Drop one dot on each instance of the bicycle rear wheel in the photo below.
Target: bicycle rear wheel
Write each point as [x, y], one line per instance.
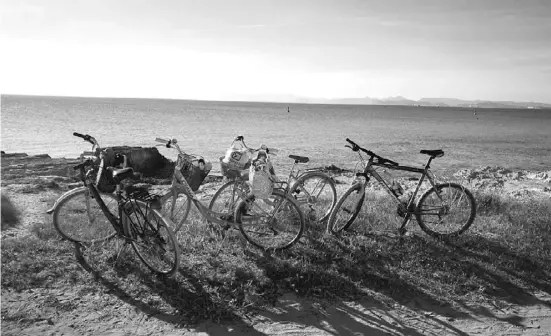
[79, 218]
[315, 192]
[151, 237]
[347, 209]
[273, 223]
[446, 210]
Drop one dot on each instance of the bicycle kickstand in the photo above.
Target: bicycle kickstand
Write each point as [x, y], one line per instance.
[402, 230]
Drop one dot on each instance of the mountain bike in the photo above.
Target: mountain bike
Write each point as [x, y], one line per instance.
[314, 190]
[89, 218]
[445, 210]
[271, 223]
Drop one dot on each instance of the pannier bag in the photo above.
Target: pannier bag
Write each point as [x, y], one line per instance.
[238, 156]
[260, 178]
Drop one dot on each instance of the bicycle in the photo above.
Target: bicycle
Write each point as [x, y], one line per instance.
[272, 223]
[443, 204]
[314, 191]
[138, 220]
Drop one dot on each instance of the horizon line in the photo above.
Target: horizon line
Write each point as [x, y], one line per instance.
[296, 97]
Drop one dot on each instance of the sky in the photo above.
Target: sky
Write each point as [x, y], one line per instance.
[226, 50]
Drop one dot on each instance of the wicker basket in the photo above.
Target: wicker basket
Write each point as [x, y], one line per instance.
[229, 172]
[195, 175]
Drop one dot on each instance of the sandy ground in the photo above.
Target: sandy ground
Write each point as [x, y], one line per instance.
[108, 314]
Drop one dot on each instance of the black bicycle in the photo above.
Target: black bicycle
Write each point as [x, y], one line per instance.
[445, 210]
[90, 218]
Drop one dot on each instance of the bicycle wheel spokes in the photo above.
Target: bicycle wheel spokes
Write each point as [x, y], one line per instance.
[152, 238]
[347, 209]
[272, 224]
[447, 210]
[316, 195]
[225, 199]
[100, 256]
[177, 210]
[79, 218]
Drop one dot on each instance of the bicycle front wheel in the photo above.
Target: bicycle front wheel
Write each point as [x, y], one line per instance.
[79, 218]
[316, 194]
[226, 198]
[273, 223]
[347, 209]
[446, 210]
[176, 208]
[151, 237]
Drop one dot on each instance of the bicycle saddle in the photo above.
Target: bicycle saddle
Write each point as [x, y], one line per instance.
[299, 159]
[433, 153]
[121, 174]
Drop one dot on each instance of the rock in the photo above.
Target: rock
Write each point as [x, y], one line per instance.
[41, 156]
[213, 178]
[10, 214]
[146, 160]
[13, 155]
[334, 169]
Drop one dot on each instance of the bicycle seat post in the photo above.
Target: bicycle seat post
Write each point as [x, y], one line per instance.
[427, 166]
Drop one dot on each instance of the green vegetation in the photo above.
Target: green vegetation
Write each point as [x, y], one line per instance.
[504, 256]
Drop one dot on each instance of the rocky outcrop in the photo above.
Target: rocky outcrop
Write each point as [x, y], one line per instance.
[519, 183]
[146, 160]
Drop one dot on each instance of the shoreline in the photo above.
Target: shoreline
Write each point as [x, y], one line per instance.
[496, 179]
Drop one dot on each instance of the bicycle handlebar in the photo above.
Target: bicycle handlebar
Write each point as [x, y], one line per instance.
[268, 150]
[355, 147]
[86, 137]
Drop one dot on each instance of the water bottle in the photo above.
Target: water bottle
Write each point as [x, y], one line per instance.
[393, 184]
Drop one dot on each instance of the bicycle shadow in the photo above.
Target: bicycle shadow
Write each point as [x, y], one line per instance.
[185, 300]
[361, 312]
[378, 267]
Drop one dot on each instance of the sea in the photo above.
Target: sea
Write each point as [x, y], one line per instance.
[470, 138]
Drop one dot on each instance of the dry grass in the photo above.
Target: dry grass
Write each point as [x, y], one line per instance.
[504, 256]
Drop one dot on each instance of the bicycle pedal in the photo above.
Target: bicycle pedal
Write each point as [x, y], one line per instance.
[402, 231]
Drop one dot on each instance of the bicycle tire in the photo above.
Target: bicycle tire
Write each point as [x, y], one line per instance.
[69, 218]
[288, 212]
[224, 198]
[176, 208]
[143, 224]
[318, 208]
[346, 200]
[423, 211]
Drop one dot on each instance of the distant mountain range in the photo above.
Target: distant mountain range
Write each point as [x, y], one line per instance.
[398, 100]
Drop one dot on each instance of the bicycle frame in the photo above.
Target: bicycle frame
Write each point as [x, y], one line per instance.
[179, 185]
[409, 208]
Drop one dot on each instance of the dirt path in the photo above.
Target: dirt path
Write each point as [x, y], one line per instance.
[106, 314]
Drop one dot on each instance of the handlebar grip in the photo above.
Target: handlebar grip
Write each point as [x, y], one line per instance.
[350, 141]
[239, 137]
[86, 137]
[162, 140]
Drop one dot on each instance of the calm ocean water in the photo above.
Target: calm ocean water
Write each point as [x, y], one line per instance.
[519, 139]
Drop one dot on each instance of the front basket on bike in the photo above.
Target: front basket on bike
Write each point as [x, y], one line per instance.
[194, 175]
